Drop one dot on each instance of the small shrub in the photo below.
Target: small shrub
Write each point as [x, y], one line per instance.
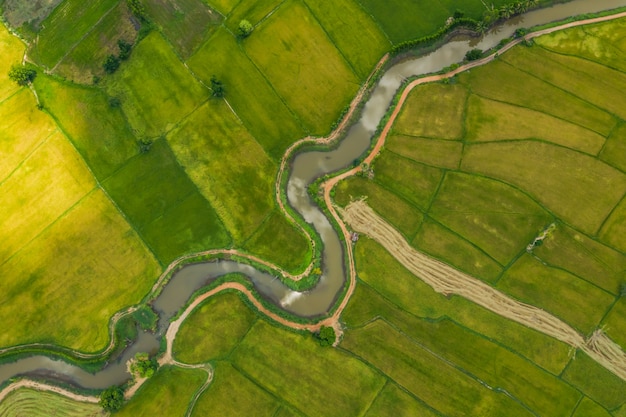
[95, 80]
[473, 54]
[520, 32]
[458, 14]
[326, 336]
[125, 49]
[143, 365]
[22, 75]
[144, 145]
[111, 64]
[217, 87]
[245, 29]
[114, 102]
[137, 8]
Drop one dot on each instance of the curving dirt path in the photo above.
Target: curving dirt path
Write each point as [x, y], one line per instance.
[598, 346]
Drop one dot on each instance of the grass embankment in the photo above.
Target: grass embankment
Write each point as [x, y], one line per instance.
[32, 403]
[512, 161]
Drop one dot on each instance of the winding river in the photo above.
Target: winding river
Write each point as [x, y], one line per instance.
[305, 168]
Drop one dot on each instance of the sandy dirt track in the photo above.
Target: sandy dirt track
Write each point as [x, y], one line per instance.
[447, 280]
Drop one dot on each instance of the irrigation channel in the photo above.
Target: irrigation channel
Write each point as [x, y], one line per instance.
[306, 167]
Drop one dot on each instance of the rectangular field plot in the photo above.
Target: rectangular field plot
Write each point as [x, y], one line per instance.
[280, 361]
[496, 217]
[89, 262]
[12, 53]
[86, 59]
[394, 401]
[99, 132]
[614, 152]
[223, 6]
[431, 379]
[22, 129]
[303, 65]
[186, 23]
[235, 176]
[47, 183]
[65, 27]
[434, 111]
[263, 112]
[577, 188]
[614, 323]
[590, 408]
[166, 394]
[236, 396]
[489, 120]
[568, 297]
[253, 11]
[355, 33]
[433, 152]
[155, 88]
[407, 19]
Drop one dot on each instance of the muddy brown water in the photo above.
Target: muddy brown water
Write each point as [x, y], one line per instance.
[306, 167]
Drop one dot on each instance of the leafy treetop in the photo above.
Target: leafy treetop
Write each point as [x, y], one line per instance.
[22, 75]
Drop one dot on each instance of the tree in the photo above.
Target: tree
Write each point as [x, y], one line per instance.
[111, 64]
[217, 87]
[143, 365]
[245, 29]
[112, 399]
[22, 75]
[137, 8]
[125, 48]
[326, 336]
[473, 54]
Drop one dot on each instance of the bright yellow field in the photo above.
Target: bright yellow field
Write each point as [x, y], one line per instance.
[12, 51]
[67, 283]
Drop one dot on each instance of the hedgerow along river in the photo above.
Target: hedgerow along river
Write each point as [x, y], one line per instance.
[305, 168]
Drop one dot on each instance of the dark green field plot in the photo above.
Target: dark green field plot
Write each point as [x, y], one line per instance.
[165, 206]
[65, 27]
[496, 217]
[236, 176]
[233, 395]
[262, 111]
[575, 301]
[155, 89]
[214, 329]
[86, 59]
[303, 65]
[186, 23]
[167, 393]
[441, 109]
[355, 33]
[313, 380]
[576, 187]
[99, 132]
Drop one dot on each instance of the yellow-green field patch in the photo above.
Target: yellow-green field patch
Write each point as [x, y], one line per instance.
[239, 185]
[434, 111]
[575, 301]
[614, 152]
[576, 187]
[12, 52]
[22, 129]
[223, 6]
[33, 403]
[394, 401]
[303, 65]
[253, 11]
[155, 88]
[612, 231]
[214, 329]
[614, 324]
[89, 262]
[48, 183]
[489, 120]
[590, 408]
[433, 152]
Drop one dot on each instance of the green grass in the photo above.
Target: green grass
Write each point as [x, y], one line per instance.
[433, 152]
[581, 255]
[312, 379]
[433, 110]
[590, 408]
[576, 187]
[33, 403]
[408, 19]
[355, 33]
[426, 375]
[595, 381]
[87, 58]
[612, 231]
[12, 53]
[303, 66]
[614, 324]
[239, 185]
[155, 89]
[167, 393]
[23, 128]
[65, 27]
[417, 183]
[88, 254]
[496, 217]
[251, 10]
[223, 6]
[232, 394]
[401, 214]
[214, 329]
[382, 272]
[99, 132]
[503, 82]
[280, 242]
[394, 401]
[615, 148]
[185, 23]
[453, 249]
[489, 120]
[575, 301]
[262, 111]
